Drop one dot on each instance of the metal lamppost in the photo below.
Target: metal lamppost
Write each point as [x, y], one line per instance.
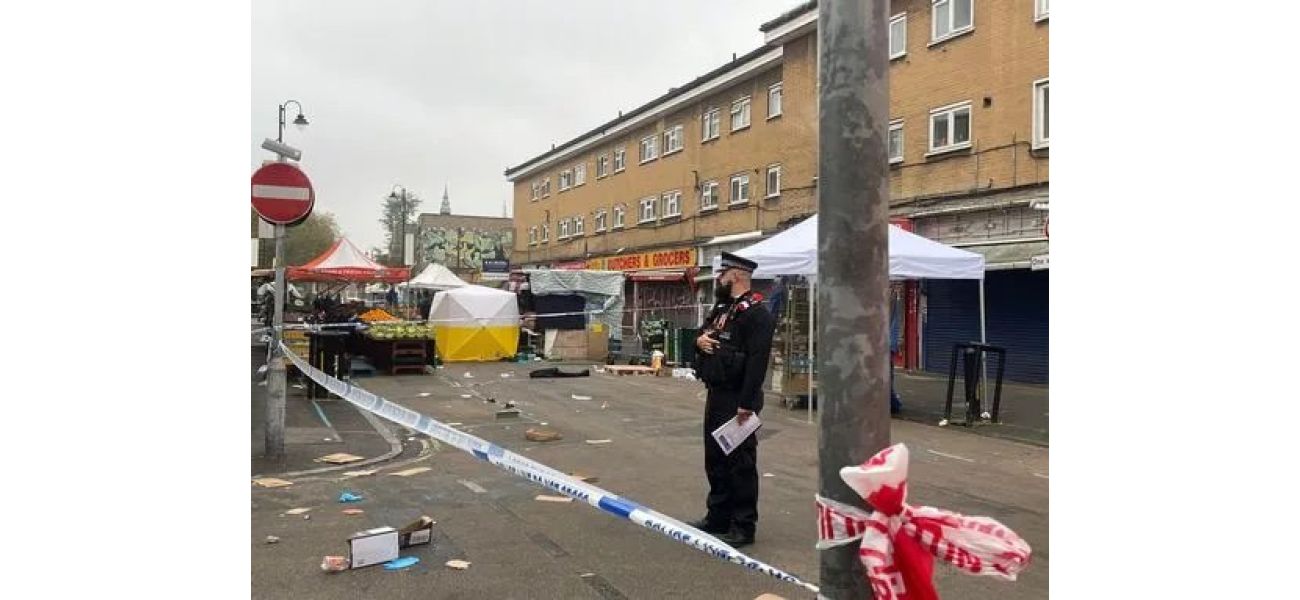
[299, 121]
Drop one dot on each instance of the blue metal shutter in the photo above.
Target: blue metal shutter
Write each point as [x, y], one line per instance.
[1017, 321]
[951, 316]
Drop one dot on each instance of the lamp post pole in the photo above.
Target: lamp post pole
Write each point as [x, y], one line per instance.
[276, 386]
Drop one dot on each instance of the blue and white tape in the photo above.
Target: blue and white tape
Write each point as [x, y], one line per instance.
[541, 474]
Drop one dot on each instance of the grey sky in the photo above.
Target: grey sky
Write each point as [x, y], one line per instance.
[426, 92]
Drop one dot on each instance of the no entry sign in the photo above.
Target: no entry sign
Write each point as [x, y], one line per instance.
[282, 193]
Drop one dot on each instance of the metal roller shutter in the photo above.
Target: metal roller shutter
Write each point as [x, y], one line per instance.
[1017, 320]
[951, 316]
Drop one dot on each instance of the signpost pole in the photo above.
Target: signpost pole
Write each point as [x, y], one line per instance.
[276, 385]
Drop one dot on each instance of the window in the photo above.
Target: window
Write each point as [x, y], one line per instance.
[647, 209]
[537, 190]
[773, 181]
[672, 204]
[546, 233]
[562, 231]
[1040, 10]
[708, 196]
[546, 187]
[895, 142]
[1040, 114]
[774, 100]
[532, 236]
[950, 128]
[711, 124]
[951, 18]
[673, 138]
[619, 213]
[649, 148]
[898, 36]
[566, 179]
[578, 228]
[580, 174]
[740, 114]
[739, 189]
[620, 160]
[601, 217]
[602, 166]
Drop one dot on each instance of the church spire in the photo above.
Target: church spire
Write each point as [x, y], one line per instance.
[446, 201]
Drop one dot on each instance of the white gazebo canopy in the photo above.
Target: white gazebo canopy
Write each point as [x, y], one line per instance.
[794, 252]
[436, 277]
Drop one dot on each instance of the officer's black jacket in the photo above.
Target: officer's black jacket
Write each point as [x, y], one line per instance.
[749, 332]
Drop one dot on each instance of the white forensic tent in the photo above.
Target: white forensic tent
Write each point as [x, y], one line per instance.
[475, 323]
[436, 277]
[794, 252]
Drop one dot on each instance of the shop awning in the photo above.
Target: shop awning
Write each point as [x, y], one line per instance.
[1000, 257]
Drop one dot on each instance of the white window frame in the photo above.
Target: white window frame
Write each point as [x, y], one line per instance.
[537, 191]
[1039, 140]
[562, 229]
[951, 110]
[1040, 10]
[677, 133]
[546, 187]
[579, 228]
[566, 179]
[620, 218]
[898, 18]
[777, 88]
[712, 116]
[897, 125]
[672, 204]
[546, 233]
[620, 160]
[953, 32]
[602, 166]
[579, 174]
[767, 182]
[653, 140]
[651, 203]
[705, 188]
[532, 236]
[741, 191]
[742, 106]
[601, 220]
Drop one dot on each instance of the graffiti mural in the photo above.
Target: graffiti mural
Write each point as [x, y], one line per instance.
[465, 248]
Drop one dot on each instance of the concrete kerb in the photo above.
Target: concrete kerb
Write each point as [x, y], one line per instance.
[394, 449]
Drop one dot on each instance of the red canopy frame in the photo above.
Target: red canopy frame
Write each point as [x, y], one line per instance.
[344, 262]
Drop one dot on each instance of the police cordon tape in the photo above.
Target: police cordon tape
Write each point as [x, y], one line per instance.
[539, 474]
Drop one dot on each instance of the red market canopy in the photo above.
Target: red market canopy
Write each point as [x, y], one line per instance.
[344, 262]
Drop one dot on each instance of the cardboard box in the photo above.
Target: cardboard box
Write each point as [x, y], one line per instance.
[416, 533]
[372, 547]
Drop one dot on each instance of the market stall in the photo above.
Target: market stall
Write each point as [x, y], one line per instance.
[582, 310]
[794, 252]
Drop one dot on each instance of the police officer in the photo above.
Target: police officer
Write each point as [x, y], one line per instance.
[735, 345]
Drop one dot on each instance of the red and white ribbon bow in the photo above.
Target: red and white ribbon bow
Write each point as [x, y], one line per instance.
[900, 542]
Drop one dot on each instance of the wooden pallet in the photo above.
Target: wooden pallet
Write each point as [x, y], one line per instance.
[630, 370]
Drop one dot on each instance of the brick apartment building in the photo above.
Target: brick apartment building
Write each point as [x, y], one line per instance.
[730, 158]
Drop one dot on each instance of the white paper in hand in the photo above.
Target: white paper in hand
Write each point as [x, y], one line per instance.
[732, 433]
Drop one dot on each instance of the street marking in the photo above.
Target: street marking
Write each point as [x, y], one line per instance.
[952, 456]
[1040, 475]
[474, 487]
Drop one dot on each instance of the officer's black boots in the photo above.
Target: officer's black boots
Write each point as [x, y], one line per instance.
[708, 526]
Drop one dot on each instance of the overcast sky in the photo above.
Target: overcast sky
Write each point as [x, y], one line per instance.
[426, 92]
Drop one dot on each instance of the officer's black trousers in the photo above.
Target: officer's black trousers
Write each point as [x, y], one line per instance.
[733, 479]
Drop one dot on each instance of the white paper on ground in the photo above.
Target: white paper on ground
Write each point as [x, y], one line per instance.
[732, 433]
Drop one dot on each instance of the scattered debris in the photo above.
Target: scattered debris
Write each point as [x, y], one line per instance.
[510, 403]
[351, 474]
[543, 423]
[506, 375]
[584, 575]
[467, 395]
[455, 424]
[553, 372]
[270, 539]
[584, 478]
[306, 517]
[425, 394]
[542, 435]
[353, 511]
[460, 565]
[469, 375]
[577, 397]
[328, 439]
[296, 511]
[372, 547]
[410, 472]
[490, 400]
[768, 475]
[598, 442]
[416, 533]
[604, 405]
[398, 564]
[549, 498]
[334, 564]
[272, 482]
[509, 413]
[350, 497]
[987, 416]
[340, 458]
[943, 422]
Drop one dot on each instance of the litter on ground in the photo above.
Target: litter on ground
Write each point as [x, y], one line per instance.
[350, 497]
[458, 564]
[598, 442]
[398, 564]
[577, 397]
[410, 472]
[296, 511]
[272, 482]
[340, 458]
[547, 498]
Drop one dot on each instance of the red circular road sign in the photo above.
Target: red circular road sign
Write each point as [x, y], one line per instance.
[282, 194]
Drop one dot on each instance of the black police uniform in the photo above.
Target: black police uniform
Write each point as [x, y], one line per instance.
[734, 375]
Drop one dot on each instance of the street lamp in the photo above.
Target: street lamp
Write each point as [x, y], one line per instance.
[393, 195]
[299, 121]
